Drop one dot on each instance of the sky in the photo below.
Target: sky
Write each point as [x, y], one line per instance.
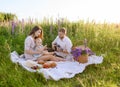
[73, 10]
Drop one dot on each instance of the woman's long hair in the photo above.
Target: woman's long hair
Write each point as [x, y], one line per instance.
[36, 28]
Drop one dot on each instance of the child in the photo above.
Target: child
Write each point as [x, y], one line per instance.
[38, 46]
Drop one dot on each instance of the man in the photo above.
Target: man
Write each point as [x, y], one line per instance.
[62, 44]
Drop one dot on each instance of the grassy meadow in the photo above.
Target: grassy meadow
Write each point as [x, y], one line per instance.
[103, 39]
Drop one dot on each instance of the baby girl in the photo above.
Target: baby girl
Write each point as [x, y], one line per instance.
[39, 46]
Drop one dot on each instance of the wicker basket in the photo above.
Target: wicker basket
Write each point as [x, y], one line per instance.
[83, 59]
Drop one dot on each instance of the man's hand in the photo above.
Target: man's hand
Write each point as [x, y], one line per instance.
[53, 46]
[59, 49]
[65, 51]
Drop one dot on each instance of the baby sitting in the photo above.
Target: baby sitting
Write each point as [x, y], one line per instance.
[39, 46]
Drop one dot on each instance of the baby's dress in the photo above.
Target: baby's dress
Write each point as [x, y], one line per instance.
[38, 55]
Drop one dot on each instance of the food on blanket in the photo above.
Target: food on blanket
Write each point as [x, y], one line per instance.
[32, 64]
[49, 64]
[35, 67]
[53, 64]
[41, 62]
[46, 65]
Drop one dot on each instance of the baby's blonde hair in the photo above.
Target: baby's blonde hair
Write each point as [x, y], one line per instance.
[38, 39]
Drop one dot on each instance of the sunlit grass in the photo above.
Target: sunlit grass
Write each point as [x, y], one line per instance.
[103, 39]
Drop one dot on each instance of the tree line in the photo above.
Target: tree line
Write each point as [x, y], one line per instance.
[7, 16]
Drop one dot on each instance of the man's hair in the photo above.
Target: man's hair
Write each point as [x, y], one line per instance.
[63, 30]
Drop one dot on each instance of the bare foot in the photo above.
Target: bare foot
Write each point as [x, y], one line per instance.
[51, 53]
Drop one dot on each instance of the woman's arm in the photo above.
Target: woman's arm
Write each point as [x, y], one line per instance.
[37, 50]
[32, 52]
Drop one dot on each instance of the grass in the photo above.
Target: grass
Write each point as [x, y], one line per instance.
[103, 39]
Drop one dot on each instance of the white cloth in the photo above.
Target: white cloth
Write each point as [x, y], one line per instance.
[38, 55]
[65, 43]
[62, 70]
[29, 44]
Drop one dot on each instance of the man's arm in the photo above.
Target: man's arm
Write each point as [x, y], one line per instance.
[53, 43]
[68, 46]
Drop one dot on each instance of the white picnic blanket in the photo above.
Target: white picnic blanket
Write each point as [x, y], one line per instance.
[67, 69]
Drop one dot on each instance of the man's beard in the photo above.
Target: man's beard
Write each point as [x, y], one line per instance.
[61, 37]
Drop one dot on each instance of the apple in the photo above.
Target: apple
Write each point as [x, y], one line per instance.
[35, 67]
[46, 65]
[53, 64]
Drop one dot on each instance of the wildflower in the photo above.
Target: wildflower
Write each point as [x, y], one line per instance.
[76, 52]
[59, 24]
[51, 28]
[22, 24]
[13, 27]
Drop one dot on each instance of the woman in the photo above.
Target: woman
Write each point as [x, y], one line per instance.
[29, 51]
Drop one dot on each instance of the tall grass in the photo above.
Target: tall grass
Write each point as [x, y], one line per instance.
[103, 39]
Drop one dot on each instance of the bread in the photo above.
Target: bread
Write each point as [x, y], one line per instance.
[30, 63]
[49, 64]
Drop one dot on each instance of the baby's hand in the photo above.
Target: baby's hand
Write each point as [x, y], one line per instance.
[45, 47]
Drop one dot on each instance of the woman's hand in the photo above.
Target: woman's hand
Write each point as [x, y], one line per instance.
[45, 52]
[32, 52]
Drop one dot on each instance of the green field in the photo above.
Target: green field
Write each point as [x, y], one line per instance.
[103, 39]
